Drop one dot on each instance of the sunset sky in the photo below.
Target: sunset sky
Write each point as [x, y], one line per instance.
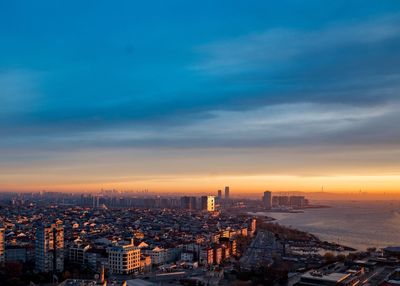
[195, 95]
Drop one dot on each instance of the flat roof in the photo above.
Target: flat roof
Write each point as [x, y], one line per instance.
[331, 277]
[392, 248]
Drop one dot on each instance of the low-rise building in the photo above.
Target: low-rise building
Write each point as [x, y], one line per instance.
[159, 256]
[77, 253]
[316, 278]
[187, 256]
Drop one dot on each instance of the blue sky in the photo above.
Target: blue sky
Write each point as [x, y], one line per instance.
[182, 77]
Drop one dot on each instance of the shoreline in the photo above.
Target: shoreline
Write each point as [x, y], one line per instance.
[310, 242]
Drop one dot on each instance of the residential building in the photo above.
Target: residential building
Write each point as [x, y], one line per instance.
[77, 253]
[267, 200]
[16, 254]
[217, 255]
[2, 245]
[159, 256]
[49, 248]
[298, 201]
[187, 256]
[206, 256]
[124, 258]
[145, 263]
[253, 225]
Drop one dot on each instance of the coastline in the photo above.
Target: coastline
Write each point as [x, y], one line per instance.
[309, 242]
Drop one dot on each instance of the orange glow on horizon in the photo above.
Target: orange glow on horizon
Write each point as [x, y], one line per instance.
[247, 184]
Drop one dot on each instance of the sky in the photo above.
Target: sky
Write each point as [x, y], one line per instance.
[190, 96]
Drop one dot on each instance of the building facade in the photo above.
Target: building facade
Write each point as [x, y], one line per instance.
[227, 193]
[16, 254]
[267, 200]
[49, 248]
[77, 253]
[189, 203]
[2, 245]
[208, 203]
[124, 259]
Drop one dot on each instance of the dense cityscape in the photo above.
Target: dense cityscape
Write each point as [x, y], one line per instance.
[122, 238]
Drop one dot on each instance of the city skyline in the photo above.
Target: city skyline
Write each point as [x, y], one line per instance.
[183, 97]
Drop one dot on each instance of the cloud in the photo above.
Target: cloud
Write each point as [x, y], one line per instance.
[284, 126]
[276, 48]
[19, 92]
[286, 87]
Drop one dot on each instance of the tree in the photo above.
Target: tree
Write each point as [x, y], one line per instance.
[66, 275]
[329, 257]
[341, 257]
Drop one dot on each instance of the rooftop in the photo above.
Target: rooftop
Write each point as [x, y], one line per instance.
[331, 277]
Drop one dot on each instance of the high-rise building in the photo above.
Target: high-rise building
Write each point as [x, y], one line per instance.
[49, 248]
[2, 245]
[226, 193]
[189, 203]
[253, 225]
[267, 200]
[281, 201]
[96, 202]
[206, 256]
[298, 201]
[208, 203]
[217, 255]
[124, 258]
[219, 194]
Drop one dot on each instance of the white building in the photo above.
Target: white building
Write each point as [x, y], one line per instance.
[124, 258]
[208, 203]
[159, 256]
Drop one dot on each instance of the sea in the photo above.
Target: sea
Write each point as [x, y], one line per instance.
[358, 224]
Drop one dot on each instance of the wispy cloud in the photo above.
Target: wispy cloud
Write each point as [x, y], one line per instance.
[19, 91]
[275, 48]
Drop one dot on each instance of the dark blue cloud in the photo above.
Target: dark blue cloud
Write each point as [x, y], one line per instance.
[78, 69]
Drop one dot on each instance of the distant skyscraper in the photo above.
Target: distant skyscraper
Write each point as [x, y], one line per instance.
[96, 201]
[49, 248]
[226, 193]
[2, 246]
[208, 203]
[219, 194]
[267, 200]
[189, 203]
